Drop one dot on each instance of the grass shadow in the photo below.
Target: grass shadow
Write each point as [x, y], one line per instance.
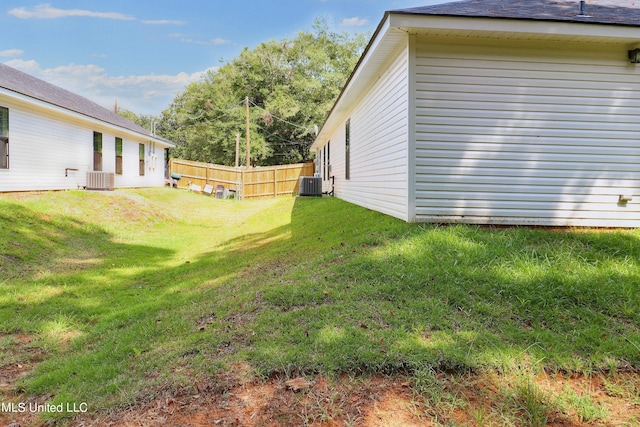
[306, 286]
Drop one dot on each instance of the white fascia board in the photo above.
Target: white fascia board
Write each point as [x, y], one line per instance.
[516, 26]
[368, 58]
[352, 90]
[81, 117]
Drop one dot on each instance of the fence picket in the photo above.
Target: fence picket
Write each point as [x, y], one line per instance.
[250, 183]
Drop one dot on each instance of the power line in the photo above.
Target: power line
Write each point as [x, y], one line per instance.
[280, 118]
[284, 141]
[227, 111]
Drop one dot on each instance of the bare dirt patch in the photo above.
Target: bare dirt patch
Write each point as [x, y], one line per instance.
[389, 402]
[342, 401]
[238, 399]
[18, 356]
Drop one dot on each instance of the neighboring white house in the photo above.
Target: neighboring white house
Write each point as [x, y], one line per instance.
[493, 112]
[50, 138]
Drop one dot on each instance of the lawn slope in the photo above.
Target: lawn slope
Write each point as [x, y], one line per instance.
[117, 298]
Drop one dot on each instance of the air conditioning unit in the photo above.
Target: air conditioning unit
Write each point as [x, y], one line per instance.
[101, 181]
[311, 186]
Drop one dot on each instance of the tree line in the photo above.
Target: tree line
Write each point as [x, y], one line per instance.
[291, 85]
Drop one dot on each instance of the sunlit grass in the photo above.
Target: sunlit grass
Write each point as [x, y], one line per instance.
[133, 293]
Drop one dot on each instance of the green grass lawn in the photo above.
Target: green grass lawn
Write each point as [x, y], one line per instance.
[117, 297]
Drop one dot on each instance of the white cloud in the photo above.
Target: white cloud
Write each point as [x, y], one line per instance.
[219, 41]
[354, 22]
[146, 94]
[46, 11]
[11, 53]
[164, 22]
[185, 38]
[28, 67]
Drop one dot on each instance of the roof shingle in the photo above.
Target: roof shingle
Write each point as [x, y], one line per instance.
[22, 83]
[615, 12]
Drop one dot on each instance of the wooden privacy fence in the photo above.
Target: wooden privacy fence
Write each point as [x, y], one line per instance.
[248, 183]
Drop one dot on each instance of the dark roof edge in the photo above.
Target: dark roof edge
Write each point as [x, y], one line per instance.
[92, 111]
[414, 12]
[577, 19]
[141, 131]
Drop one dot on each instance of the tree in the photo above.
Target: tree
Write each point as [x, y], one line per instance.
[148, 122]
[291, 86]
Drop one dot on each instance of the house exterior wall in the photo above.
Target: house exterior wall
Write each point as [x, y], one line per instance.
[526, 133]
[130, 177]
[46, 145]
[378, 144]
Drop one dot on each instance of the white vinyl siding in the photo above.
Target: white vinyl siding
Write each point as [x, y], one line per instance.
[378, 143]
[43, 151]
[51, 151]
[526, 134]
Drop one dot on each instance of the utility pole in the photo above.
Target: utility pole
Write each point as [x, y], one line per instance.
[248, 135]
[237, 150]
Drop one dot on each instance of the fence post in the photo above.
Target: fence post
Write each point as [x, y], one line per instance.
[244, 188]
[217, 174]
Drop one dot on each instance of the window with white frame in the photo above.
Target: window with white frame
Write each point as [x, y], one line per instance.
[97, 151]
[327, 164]
[141, 162]
[347, 150]
[118, 156]
[4, 138]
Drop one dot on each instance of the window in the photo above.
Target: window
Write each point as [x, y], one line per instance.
[118, 156]
[4, 138]
[141, 159]
[319, 161]
[347, 154]
[167, 154]
[329, 160]
[97, 151]
[327, 163]
[324, 163]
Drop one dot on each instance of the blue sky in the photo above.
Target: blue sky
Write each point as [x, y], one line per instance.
[141, 53]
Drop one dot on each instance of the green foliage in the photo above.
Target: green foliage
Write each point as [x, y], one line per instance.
[291, 85]
[146, 121]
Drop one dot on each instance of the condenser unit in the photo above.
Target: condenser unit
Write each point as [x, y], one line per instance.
[311, 186]
[101, 181]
